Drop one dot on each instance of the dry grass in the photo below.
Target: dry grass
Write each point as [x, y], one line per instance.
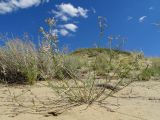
[18, 62]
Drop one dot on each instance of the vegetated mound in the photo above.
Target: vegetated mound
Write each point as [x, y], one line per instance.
[121, 61]
[92, 52]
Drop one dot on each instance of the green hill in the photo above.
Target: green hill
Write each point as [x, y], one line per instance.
[91, 52]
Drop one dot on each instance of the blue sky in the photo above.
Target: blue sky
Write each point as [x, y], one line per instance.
[78, 21]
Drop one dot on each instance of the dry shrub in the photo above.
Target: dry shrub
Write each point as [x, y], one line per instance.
[18, 61]
[91, 89]
[22, 62]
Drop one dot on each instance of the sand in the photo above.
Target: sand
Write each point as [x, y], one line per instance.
[139, 101]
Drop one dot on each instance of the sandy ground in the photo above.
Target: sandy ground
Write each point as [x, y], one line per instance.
[139, 101]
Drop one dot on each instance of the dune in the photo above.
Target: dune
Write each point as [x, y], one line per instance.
[139, 101]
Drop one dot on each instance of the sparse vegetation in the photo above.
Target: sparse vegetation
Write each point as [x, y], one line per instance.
[107, 71]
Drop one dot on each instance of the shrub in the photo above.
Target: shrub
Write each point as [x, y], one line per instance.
[102, 65]
[18, 61]
[91, 90]
[68, 67]
[22, 62]
[146, 74]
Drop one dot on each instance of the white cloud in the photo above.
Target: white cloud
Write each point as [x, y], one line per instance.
[129, 18]
[65, 29]
[61, 31]
[72, 11]
[156, 24]
[72, 27]
[64, 32]
[82, 12]
[65, 18]
[12, 5]
[66, 10]
[5, 7]
[141, 19]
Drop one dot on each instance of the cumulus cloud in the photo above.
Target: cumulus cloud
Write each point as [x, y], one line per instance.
[64, 32]
[67, 10]
[66, 13]
[66, 29]
[72, 27]
[141, 19]
[12, 5]
[4, 7]
[65, 18]
[60, 31]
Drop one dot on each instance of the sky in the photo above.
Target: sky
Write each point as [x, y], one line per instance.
[138, 21]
